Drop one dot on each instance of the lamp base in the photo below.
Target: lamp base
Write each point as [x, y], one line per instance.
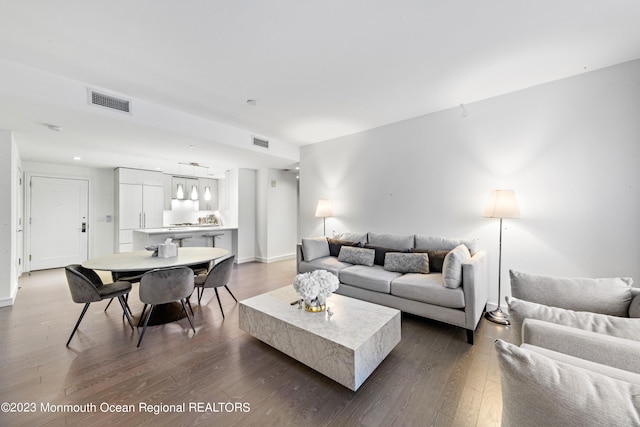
[497, 316]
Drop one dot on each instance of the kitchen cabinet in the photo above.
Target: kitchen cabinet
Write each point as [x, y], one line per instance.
[187, 185]
[139, 204]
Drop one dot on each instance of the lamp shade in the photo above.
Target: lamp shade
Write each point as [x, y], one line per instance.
[324, 208]
[502, 204]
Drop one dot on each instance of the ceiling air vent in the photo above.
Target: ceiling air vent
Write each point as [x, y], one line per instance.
[260, 142]
[108, 101]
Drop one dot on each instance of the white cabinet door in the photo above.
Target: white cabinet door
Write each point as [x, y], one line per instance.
[153, 205]
[130, 206]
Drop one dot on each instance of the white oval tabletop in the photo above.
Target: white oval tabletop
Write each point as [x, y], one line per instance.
[142, 260]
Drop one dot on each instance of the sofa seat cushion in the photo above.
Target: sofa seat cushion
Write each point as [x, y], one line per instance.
[374, 278]
[427, 288]
[328, 263]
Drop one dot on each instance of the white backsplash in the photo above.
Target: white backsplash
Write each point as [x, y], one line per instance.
[184, 211]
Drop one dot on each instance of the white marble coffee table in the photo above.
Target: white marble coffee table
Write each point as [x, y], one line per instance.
[347, 347]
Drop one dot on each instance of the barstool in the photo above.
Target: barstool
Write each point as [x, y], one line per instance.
[213, 237]
[180, 238]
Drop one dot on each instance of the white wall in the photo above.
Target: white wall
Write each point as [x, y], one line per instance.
[570, 149]
[277, 207]
[101, 200]
[9, 160]
[246, 202]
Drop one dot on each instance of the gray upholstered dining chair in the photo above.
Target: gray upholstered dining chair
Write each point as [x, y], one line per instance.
[162, 286]
[218, 276]
[127, 276]
[86, 287]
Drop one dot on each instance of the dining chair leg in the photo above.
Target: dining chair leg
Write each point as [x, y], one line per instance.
[110, 301]
[126, 301]
[84, 310]
[219, 303]
[190, 308]
[142, 314]
[228, 290]
[146, 321]
[188, 317]
[200, 292]
[124, 310]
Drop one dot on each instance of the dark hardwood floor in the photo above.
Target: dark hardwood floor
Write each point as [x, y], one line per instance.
[433, 377]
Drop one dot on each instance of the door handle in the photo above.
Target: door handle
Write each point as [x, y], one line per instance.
[84, 227]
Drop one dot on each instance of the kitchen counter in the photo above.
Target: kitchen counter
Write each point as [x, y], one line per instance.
[190, 236]
[185, 229]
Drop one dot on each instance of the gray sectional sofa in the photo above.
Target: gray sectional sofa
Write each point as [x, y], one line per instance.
[444, 279]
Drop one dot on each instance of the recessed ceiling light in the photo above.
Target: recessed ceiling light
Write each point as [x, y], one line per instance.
[54, 128]
[77, 158]
[192, 146]
[252, 101]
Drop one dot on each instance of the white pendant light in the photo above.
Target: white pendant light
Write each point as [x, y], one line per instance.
[207, 193]
[180, 192]
[194, 193]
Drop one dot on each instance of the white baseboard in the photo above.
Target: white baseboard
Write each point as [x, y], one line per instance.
[269, 260]
[9, 301]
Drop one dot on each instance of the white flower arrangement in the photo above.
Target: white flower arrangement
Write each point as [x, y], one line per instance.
[317, 284]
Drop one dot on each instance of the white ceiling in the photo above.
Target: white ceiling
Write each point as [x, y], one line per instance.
[319, 69]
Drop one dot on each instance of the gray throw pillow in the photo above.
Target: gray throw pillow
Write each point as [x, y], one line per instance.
[607, 295]
[315, 248]
[452, 267]
[621, 327]
[336, 244]
[353, 255]
[406, 262]
[538, 391]
[436, 258]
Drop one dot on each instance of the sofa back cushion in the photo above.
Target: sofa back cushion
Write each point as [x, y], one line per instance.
[313, 248]
[445, 243]
[352, 237]
[401, 242]
[607, 296]
[621, 327]
[538, 391]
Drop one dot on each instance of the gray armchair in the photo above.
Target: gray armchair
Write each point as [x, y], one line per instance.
[218, 276]
[87, 287]
[579, 343]
[162, 286]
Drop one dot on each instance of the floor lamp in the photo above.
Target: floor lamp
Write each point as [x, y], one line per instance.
[324, 210]
[501, 204]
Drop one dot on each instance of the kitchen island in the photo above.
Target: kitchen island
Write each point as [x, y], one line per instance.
[191, 236]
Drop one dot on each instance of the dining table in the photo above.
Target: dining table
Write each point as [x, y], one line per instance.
[138, 262]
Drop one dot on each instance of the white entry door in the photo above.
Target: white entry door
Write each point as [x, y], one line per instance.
[58, 222]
